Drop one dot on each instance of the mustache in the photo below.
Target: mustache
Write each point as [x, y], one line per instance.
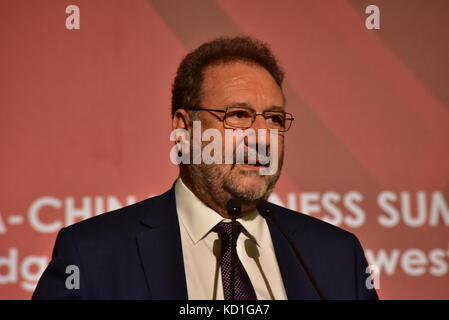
[253, 155]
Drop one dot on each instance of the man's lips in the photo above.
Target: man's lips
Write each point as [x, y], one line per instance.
[255, 167]
[246, 160]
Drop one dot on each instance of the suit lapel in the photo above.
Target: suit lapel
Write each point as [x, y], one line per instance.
[161, 250]
[296, 283]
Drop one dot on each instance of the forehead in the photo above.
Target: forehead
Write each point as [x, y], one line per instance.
[240, 82]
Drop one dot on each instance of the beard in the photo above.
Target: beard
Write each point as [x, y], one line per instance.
[242, 184]
[249, 191]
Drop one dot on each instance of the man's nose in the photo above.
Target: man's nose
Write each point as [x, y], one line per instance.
[261, 123]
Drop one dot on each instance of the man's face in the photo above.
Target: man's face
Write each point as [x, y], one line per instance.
[230, 84]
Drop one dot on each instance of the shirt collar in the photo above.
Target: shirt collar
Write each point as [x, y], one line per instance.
[199, 219]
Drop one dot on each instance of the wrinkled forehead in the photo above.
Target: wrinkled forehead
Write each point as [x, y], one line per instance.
[240, 82]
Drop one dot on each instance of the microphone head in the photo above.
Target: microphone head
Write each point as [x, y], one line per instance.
[233, 207]
[264, 208]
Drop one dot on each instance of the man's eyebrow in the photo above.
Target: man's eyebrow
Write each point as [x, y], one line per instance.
[239, 104]
[276, 108]
[248, 106]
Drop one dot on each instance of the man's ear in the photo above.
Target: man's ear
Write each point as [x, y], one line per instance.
[181, 120]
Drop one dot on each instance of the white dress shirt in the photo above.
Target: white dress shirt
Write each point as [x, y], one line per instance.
[201, 250]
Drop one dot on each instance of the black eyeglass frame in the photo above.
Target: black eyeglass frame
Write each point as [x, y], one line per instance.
[288, 115]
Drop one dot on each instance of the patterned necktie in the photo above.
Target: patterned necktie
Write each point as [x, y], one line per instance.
[243, 289]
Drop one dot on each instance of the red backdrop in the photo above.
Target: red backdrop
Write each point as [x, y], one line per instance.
[85, 121]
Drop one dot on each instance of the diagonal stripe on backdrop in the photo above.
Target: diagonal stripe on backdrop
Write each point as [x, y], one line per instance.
[361, 91]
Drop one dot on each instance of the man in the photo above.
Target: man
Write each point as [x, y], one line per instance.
[183, 244]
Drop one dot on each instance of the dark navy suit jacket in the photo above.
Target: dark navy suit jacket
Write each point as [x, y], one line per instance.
[135, 253]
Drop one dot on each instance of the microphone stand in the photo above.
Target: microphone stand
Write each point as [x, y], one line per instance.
[233, 207]
[265, 211]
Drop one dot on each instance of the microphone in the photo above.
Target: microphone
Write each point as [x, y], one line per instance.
[233, 207]
[266, 211]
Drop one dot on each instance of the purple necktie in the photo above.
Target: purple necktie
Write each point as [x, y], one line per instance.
[243, 289]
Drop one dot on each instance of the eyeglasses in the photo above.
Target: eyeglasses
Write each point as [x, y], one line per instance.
[243, 118]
